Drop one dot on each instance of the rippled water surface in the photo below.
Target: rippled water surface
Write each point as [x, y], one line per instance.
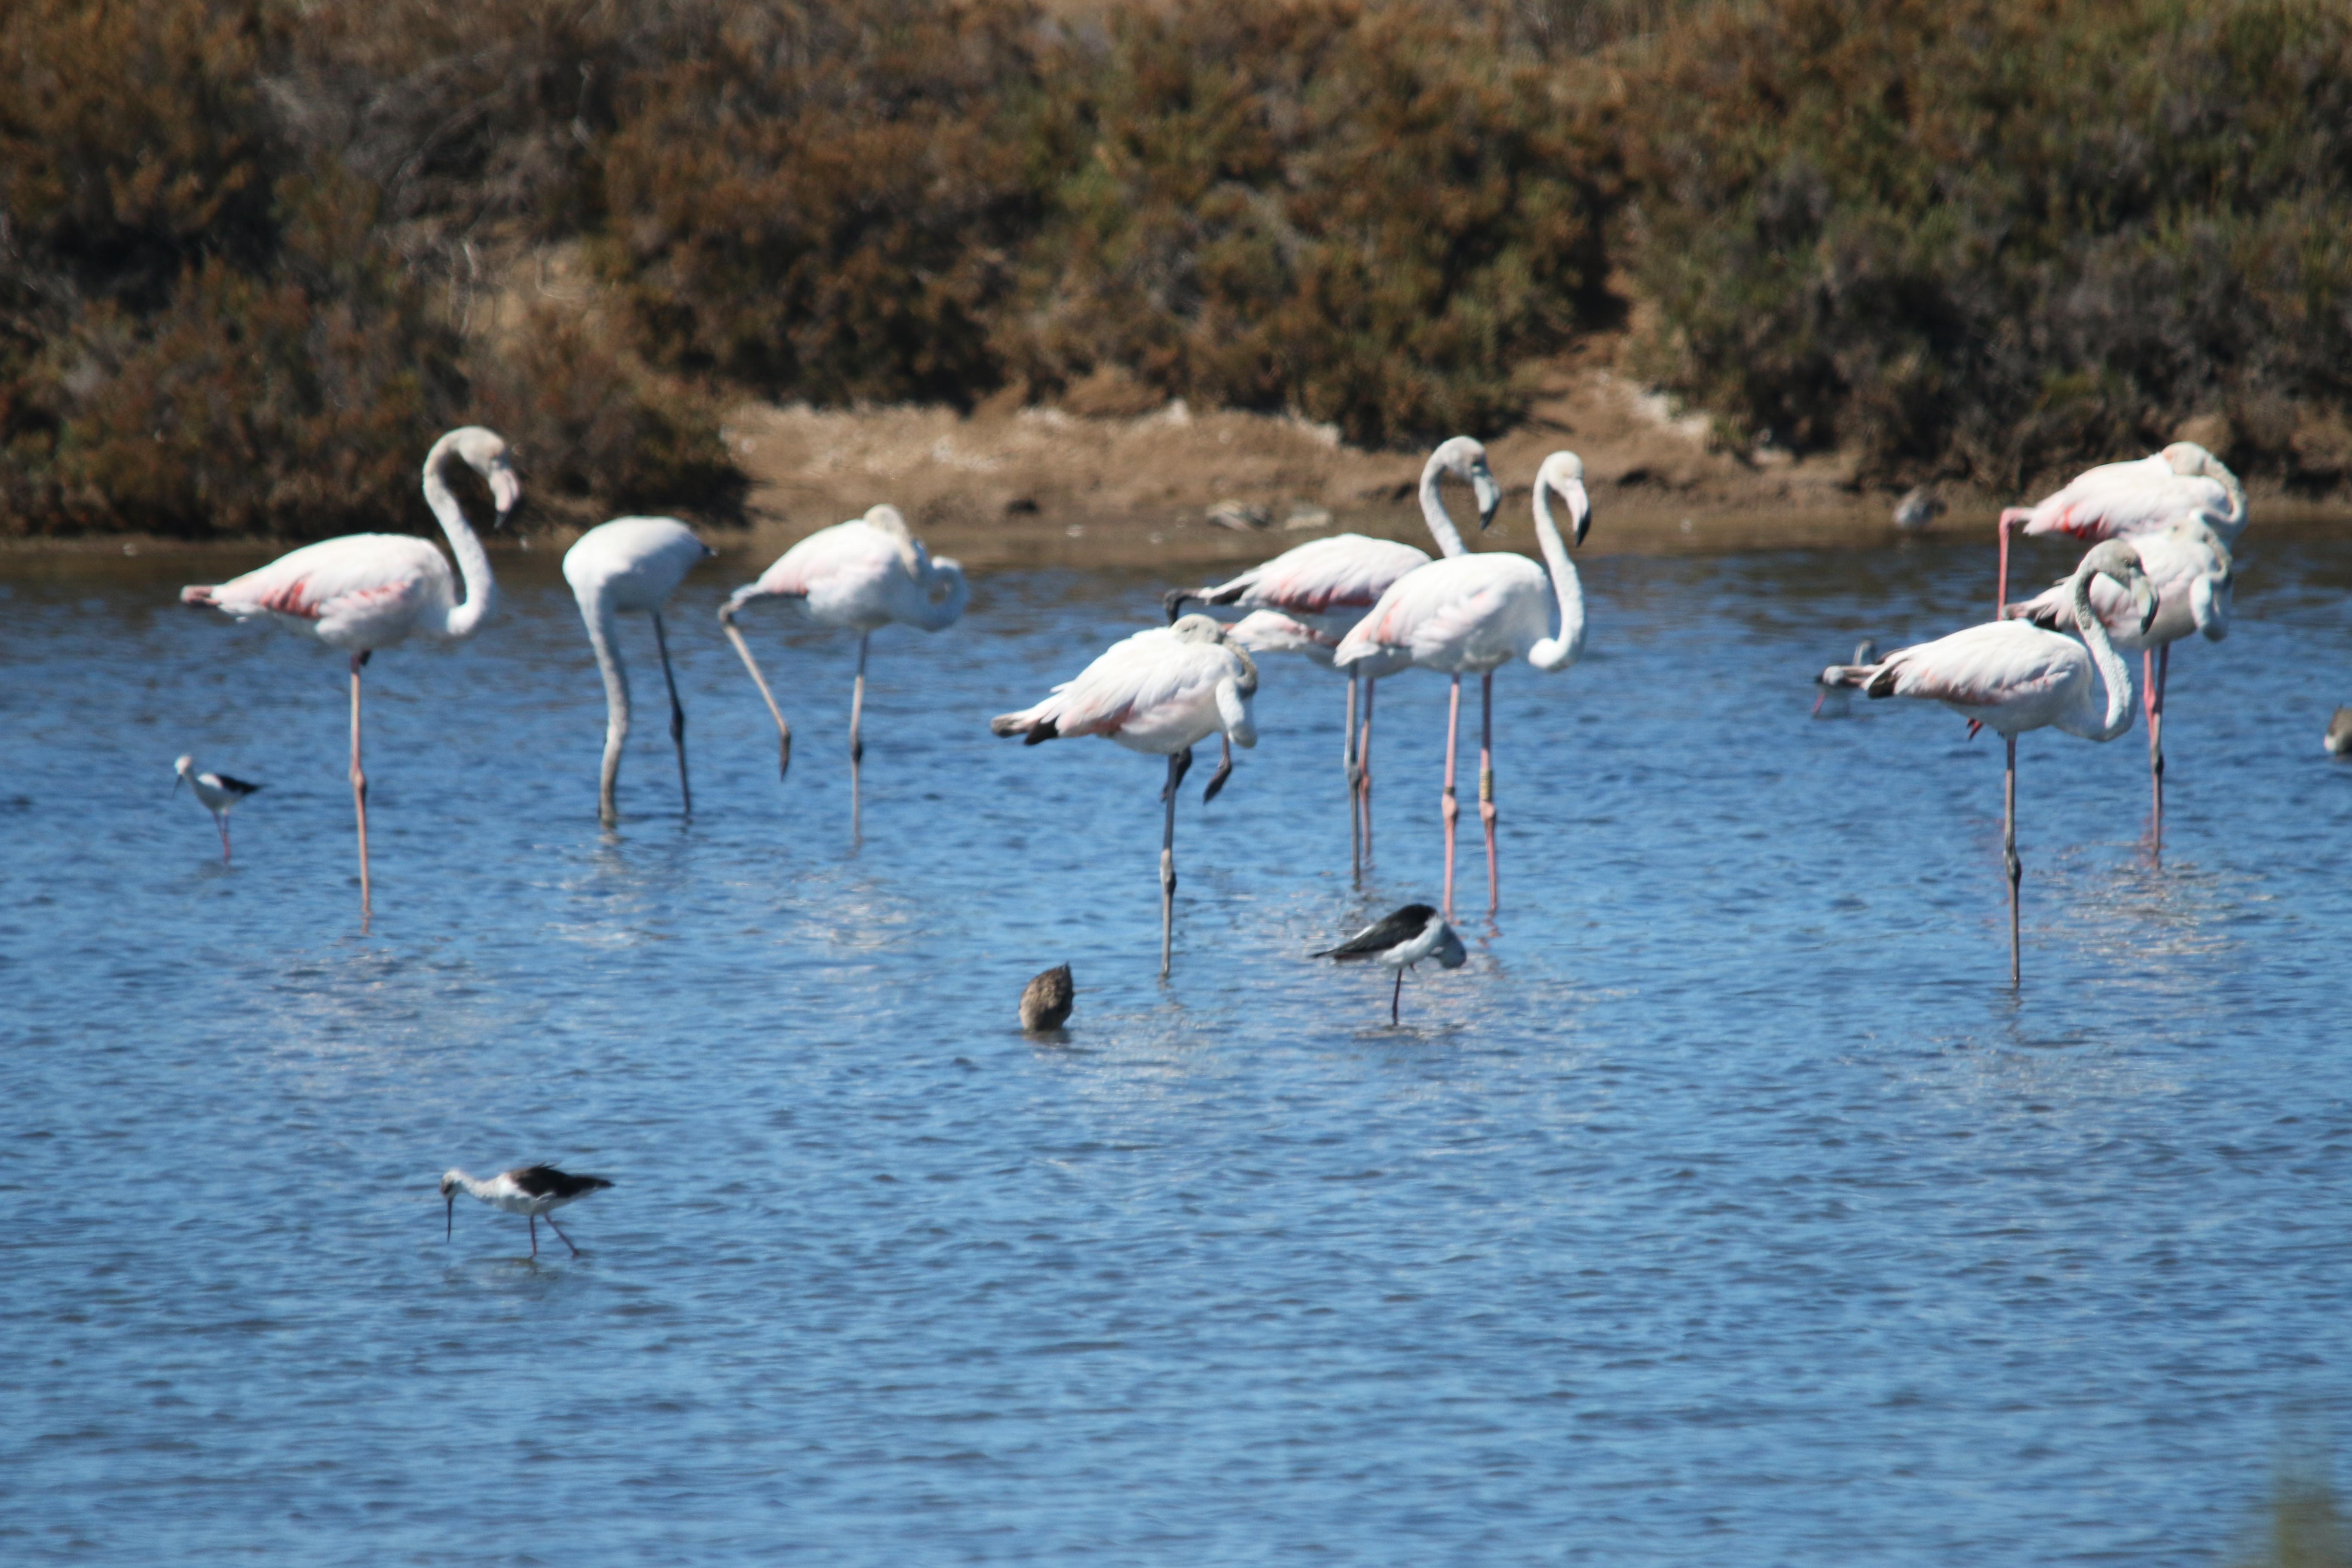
[1724, 1208]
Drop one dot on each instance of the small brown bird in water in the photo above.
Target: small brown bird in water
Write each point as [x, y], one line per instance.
[1046, 1004]
[2339, 733]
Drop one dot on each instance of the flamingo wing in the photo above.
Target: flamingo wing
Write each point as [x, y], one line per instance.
[2119, 499]
[372, 578]
[1323, 576]
[1999, 665]
[1444, 607]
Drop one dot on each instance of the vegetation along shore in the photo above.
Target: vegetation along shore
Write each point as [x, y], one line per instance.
[1029, 269]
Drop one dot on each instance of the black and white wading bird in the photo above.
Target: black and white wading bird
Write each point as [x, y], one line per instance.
[218, 792]
[534, 1191]
[1401, 940]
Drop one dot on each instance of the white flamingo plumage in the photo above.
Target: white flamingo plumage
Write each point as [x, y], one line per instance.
[2011, 677]
[1160, 691]
[2190, 569]
[368, 591]
[1471, 614]
[864, 574]
[1327, 585]
[631, 565]
[2113, 499]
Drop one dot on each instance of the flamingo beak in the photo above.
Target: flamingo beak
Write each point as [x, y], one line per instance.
[506, 490]
[2146, 595]
[1580, 507]
[1489, 494]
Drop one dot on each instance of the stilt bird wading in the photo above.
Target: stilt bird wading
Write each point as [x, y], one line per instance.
[218, 792]
[534, 1191]
[1402, 941]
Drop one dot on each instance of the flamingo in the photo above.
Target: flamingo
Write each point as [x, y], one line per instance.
[535, 1191]
[1162, 691]
[218, 794]
[2119, 499]
[2190, 569]
[1837, 702]
[865, 573]
[631, 563]
[2014, 677]
[367, 591]
[1399, 942]
[1327, 585]
[1473, 614]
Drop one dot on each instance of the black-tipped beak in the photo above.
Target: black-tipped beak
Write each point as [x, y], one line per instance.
[1579, 508]
[1489, 494]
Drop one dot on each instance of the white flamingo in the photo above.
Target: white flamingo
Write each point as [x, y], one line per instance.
[1162, 691]
[2119, 499]
[1327, 585]
[1471, 614]
[865, 573]
[2188, 568]
[367, 591]
[631, 565]
[2012, 677]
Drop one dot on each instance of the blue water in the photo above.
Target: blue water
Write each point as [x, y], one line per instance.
[1725, 1209]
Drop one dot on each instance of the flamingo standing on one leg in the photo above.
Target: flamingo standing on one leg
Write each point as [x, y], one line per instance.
[367, 591]
[1162, 691]
[1473, 614]
[631, 565]
[2014, 677]
[217, 793]
[2119, 499]
[1327, 585]
[865, 573]
[2190, 569]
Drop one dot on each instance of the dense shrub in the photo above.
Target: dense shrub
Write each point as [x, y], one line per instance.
[1993, 236]
[821, 203]
[1362, 214]
[208, 322]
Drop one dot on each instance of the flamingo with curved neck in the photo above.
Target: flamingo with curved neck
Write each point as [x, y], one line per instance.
[866, 572]
[2011, 677]
[1326, 586]
[631, 565]
[367, 591]
[1471, 614]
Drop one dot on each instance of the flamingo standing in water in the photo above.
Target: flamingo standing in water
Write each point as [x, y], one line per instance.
[2138, 497]
[2014, 677]
[367, 591]
[1471, 614]
[631, 565]
[2188, 568]
[865, 573]
[1162, 691]
[1326, 586]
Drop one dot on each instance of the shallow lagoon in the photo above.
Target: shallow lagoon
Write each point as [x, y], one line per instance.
[1726, 1207]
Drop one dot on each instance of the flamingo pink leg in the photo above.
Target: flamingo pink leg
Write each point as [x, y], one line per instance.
[677, 718]
[2152, 667]
[1178, 763]
[1487, 812]
[2015, 867]
[1355, 786]
[856, 746]
[1364, 764]
[1450, 808]
[359, 790]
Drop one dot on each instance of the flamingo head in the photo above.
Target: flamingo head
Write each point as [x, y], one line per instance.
[1562, 474]
[2115, 560]
[484, 451]
[1466, 458]
[2189, 459]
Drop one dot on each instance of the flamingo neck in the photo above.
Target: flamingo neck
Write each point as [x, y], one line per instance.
[1434, 512]
[1559, 651]
[2112, 668]
[596, 609]
[473, 561]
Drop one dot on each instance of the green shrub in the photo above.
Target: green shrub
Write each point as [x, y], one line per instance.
[1996, 236]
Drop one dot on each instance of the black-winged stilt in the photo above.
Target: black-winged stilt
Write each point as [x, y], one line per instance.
[531, 1191]
[218, 792]
[1401, 940]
